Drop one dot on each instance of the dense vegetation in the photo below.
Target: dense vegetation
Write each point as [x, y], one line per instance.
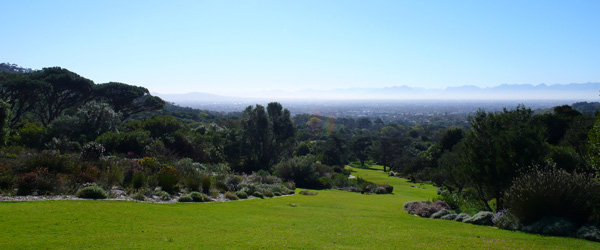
[64, 134]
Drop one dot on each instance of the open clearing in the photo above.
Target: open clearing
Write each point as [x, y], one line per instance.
[331, 219]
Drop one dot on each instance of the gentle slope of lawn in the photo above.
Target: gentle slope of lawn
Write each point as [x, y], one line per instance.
[331, 219]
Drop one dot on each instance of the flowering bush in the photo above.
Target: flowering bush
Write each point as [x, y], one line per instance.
[92, 151]
[506, 220]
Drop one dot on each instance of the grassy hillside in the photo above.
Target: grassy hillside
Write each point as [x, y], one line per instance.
[331, 219]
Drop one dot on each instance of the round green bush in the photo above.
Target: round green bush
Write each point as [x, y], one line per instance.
[462, 217]
[92, 192]
[185, 198]
[197, 196]
[481, 218]
[268, 193]
[241, 195]
[258, 194]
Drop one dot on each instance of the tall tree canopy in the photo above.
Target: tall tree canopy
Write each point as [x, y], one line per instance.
[266, 136]
[497, 147]
[127, 99]
[63, 89]
[22, 94]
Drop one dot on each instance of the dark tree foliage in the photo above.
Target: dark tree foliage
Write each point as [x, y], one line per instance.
[497, 147]
[364, 123]
[127, 99]
[452, 137]
[4, 114]
[13, 68]
[388, 147]
[266, 137]
[361, 147]
[22, 94]
[64, 89]
[558, 122]
[334, 151]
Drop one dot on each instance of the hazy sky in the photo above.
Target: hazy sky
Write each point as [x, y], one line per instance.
[229, 47]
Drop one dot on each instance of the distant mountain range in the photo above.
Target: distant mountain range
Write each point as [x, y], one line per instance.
[575, 92]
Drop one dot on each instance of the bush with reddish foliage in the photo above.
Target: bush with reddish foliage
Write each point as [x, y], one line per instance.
[38, 182]
[424, 209]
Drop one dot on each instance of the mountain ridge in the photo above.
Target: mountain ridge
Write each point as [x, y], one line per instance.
[572, 91]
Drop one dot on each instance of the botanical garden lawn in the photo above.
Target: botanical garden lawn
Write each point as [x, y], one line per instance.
[331, 219]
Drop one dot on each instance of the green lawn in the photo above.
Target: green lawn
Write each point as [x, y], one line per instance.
[331, 219]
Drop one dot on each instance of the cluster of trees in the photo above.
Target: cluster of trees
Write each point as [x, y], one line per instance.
[54, 100]
[56, 110]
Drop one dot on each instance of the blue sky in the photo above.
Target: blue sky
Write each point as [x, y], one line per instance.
[236, 47]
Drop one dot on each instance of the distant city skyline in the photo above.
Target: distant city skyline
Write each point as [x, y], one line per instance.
[244, 47]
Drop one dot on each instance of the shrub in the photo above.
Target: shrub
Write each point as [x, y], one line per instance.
[50, 160]
[126, 142]
[7, 177]
[440, 214]
[462, 217]
[221, 186]
[407, 204]
[214, 193]
[258, 194]
[241, 194]
[199, 197]
[233, 181]
[139, 180]
[482, 218]
[277, 194]
[449, 217]
[268, 193]
[506, 220]
[388, 188]
[553, 193]
[425, 210]
[185, 198]
[465, 202]
[167, 178]
[193, 181]
[552, 226]
[39, 182]
[589, 232]
[92, 192]
[287, 191]
[206, 183]
[231, 196]
[163, 195]
[139, 196]
[92, 151]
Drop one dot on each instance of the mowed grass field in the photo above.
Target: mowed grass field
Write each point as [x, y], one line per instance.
[331, 219]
